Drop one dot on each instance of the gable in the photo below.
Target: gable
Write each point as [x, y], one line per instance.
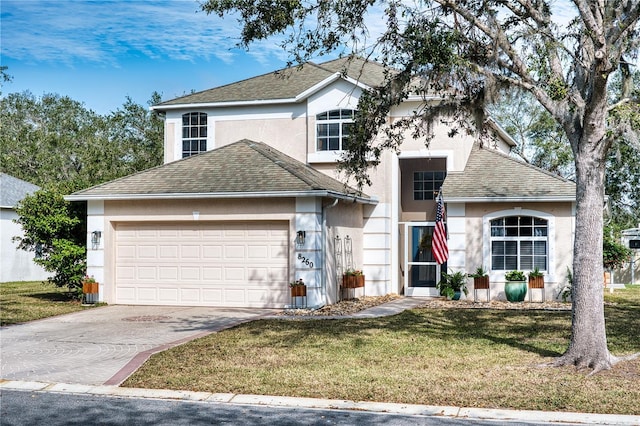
[244, 168]
[492, 176]
[289, 84]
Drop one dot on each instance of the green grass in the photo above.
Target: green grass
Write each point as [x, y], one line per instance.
[28, 301]
[462, 357]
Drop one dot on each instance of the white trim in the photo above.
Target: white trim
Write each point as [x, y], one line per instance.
[297, 99]
[416, 291]
[498, 276]
[430, 153]
[197, 195]
[324, 156]
[502, 199]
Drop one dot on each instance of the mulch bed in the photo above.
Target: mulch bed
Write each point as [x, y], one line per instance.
[349, 307]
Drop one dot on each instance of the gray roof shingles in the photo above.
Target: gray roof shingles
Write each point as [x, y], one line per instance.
[492, 175]
[13, 190]
[284, 84]
[242, 167]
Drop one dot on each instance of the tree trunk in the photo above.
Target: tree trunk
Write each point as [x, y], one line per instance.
[588, 345]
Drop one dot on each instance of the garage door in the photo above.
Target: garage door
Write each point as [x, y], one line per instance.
[203, 264]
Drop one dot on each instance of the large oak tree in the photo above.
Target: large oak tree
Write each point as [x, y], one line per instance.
[468, 50]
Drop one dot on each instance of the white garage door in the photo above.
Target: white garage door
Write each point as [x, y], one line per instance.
[203, 264]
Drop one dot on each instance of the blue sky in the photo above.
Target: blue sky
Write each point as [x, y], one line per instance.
[99, 52]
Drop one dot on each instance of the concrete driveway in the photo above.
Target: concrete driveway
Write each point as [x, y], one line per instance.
[105, 345]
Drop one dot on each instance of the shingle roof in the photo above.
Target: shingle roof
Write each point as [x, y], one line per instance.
[491, 175]
[13, 190]
[287, 83]
[244, 167]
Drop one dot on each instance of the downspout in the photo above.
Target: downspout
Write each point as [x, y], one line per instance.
[323, 272]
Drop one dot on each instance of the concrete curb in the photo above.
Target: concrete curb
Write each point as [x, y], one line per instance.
[333, 404]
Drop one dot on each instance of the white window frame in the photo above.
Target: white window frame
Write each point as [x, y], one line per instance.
[190, 138]
[498, 275]
[329, 121]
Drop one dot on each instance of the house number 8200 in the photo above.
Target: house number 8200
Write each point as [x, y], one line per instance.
[306, 261]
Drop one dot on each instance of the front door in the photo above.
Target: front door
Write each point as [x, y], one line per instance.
[422, 272]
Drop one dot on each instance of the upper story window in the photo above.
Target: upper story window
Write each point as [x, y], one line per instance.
[194, 133]
[426, 185]
[333, 129]
[519, 242]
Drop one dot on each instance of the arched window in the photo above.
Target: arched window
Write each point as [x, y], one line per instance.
[333, 129]
[519, 242]
[194, 133]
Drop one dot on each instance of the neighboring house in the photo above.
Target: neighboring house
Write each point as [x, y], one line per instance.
[630, 272]
[225, 227]
[15, 264]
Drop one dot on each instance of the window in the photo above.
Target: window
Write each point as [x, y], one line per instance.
[519, 242]
[194, 133]
[333, 129]
[426, 185]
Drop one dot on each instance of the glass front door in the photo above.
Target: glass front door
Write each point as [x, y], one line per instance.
[422, 271]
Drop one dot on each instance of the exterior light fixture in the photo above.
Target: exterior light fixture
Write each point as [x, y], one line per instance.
[300, 237]
[95, 239]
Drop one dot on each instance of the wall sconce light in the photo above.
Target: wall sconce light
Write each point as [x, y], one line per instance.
[95, 239]
[300, 236]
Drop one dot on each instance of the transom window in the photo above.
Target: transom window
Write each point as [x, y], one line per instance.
[333, 129]
[194, 133]
[427, 184]
[519, 242]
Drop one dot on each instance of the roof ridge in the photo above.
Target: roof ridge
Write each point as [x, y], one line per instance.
[477, 147]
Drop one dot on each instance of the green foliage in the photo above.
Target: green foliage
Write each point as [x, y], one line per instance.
[515, 276]
[614, 253]
[536, 273]
[567, 288]
[56, 236]
[451, 283]
[479, 273]
[55, 141]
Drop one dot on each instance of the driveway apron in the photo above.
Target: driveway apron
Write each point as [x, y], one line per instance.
[103, 345]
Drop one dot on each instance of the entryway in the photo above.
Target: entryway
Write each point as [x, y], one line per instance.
[422, 273]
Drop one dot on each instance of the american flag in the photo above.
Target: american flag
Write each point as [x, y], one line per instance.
[439, 243]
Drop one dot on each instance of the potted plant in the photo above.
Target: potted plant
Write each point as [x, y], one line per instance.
[353, 278]
[452, 285]
[90, 289]
[536, 280]
[298, 288]
[480, 282]
[515, 287]
[480, 278]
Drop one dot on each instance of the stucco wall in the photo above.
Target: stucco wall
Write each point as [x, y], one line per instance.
[561, 230]
[16, 264]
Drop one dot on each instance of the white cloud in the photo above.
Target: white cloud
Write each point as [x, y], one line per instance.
[102, 31]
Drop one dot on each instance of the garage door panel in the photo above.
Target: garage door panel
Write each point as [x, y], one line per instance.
[168, 273]
[206, 264]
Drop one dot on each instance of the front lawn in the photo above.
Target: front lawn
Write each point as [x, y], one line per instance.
[28, 301]
[460, 357]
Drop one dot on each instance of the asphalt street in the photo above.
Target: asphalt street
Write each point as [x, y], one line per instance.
[20, 408]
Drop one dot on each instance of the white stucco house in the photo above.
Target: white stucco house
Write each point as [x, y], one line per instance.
[249, 199]
[15, 264]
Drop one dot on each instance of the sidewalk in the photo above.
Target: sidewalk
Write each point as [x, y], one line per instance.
[329, 404]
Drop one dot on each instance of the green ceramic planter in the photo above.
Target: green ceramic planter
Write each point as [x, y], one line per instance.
[515, 290]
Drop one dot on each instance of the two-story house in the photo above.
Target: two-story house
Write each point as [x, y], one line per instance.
[249, 200]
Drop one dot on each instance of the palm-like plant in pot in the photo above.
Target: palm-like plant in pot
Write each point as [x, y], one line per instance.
[452, 285]
[515, 287]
